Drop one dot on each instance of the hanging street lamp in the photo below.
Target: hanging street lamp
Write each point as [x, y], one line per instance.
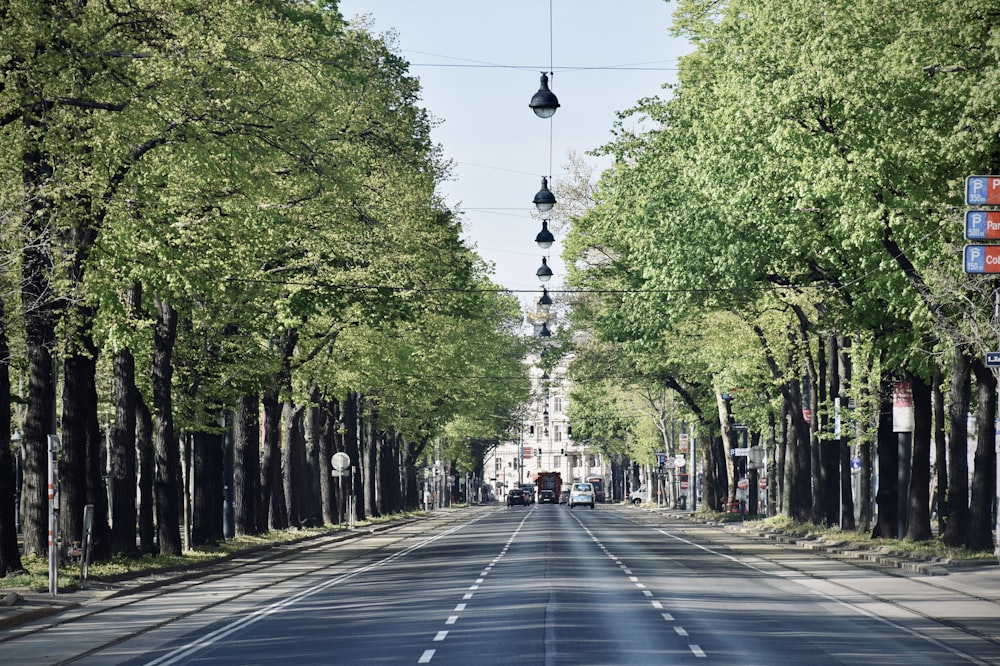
[545, 239]
[544, 103]
[544, 199]
[545, 302]
[544, 273]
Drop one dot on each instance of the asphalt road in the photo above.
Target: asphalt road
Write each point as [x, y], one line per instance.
[532, 585]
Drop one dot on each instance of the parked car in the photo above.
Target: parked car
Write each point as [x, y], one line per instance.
[547, 497]
[637, 497]
[581, 493]
[517, 496]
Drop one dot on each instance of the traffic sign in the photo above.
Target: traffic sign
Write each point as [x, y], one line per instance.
[679, 461]
[743, 484]
[982, 259]
[982, 224]
[993, 359]
[982, 190]
[340, 461]
[740, 451]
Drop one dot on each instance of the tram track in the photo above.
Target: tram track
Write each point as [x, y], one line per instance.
[285, 566]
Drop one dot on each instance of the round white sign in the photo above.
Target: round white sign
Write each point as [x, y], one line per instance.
[340, 461]
[679, 461]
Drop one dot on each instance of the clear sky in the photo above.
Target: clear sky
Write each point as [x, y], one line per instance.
[479, 63]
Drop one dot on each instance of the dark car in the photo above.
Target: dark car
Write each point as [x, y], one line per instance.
[517, 496]
[547, 497]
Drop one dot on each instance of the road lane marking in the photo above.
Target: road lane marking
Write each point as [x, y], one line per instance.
[441, 635]
[460, 607]
[697, 651]
[181, 653]
[668, 617]
[426, 657]
[452, 619]
[657, 605]
[681, 631]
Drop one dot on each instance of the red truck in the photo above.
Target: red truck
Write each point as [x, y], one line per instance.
[549, 486]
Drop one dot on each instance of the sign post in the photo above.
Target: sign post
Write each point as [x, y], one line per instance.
[341, 463]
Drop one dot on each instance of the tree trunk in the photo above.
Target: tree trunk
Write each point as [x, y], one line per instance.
[352, 446]
[123, 474]
[39, 424]
[208, 468]
[246, 466]
[147, 475]
[830, 450]
[782, 463]
[327, 484]
[166, 445]
[40, 341]
[312, 430]
[10, 554]
[887, 524]
[940, 451]
[273, 507]
[844, 368]
[714, 487]
[771, 473]
[984, 462]
[294, 463]
[956, 532]
[918, 500]
[370, 449]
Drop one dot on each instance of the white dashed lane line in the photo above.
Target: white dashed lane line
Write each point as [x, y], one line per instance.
[667, 617]
[428, 655]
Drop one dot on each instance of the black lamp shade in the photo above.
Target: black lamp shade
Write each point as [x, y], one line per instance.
[545, 239]
[544, 200]
[544, 273]
[544, 103]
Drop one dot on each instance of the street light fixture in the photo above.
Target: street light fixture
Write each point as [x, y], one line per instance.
[544, 102]
[544, 199]
[545, 302]
[545, 237]
[544, 332]
[544, 273]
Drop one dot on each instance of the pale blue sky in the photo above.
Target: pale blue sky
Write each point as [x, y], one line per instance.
[479, 63]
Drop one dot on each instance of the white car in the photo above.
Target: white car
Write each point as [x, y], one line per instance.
[637, 497]
[581, 493]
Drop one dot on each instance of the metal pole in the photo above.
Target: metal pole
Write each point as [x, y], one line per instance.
[53, 518]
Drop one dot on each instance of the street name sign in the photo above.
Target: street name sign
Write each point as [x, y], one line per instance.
[993, 359]
[982, 190]
[982, 259]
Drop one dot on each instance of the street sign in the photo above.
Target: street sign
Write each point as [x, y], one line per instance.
[743, 484]
[679, 461]
[340, 461]
[982, 259]
[982, 224]
[982, 190]
[993, 359]
[740, 451]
